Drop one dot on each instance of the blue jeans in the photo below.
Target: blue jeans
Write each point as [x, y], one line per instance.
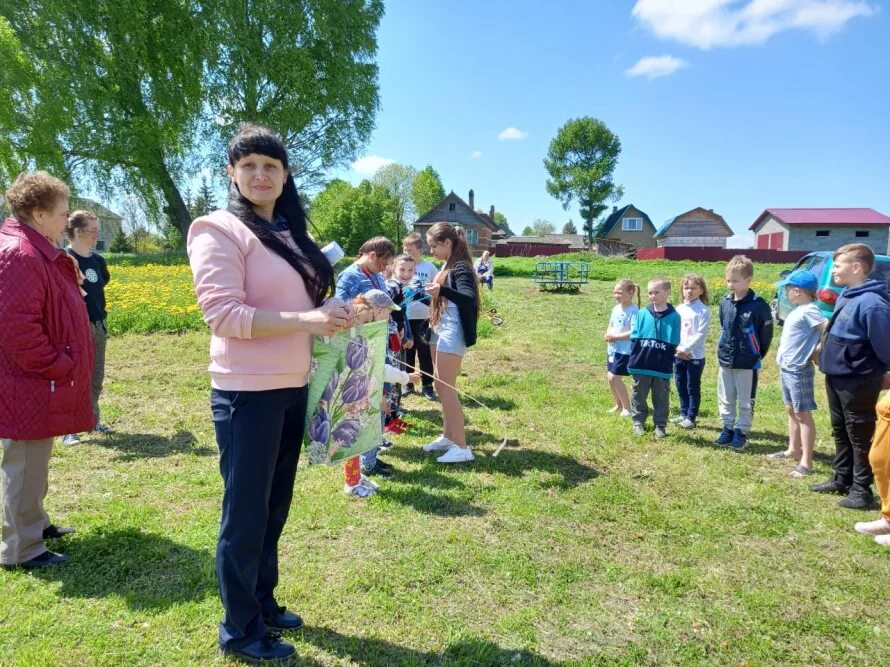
[688, 378]
[259, 434]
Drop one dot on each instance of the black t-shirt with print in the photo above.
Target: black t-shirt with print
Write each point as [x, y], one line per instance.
[96, 277]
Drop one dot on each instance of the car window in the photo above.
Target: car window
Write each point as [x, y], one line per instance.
[804, 263]
[881, 271]
[818, 265]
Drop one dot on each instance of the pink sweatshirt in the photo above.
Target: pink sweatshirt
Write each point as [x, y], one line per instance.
[235, 274]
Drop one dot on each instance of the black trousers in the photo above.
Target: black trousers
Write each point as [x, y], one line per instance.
[851, 400]
[259, 434]
[420, 351]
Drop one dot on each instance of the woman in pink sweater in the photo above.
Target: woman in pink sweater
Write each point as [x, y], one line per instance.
[264, 287]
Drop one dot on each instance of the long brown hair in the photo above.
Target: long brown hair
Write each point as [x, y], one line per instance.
[460, 252]
[696, 279]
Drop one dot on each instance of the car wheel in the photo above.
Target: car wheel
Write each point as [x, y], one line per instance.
[774, 307]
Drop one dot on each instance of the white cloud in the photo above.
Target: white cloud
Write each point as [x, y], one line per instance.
[709, 23]
[369, 164]
[655, 66]
[512, 133]
[742, 240]
[476, 155]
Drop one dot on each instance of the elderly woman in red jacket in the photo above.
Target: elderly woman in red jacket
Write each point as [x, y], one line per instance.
[46, 360]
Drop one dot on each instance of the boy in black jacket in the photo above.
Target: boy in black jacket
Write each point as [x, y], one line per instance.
[746, 324]
[855, 358]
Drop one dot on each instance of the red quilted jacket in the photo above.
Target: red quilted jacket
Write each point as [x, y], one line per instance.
[46, 349]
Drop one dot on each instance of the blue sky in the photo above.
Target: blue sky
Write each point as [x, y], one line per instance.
[735, 105]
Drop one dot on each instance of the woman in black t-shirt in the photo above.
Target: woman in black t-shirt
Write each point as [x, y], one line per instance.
[83, 233]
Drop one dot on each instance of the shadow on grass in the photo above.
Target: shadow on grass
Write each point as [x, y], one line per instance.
[374, 652]
[515, 461]
[148, 571]
[760, 443]
[132, 446]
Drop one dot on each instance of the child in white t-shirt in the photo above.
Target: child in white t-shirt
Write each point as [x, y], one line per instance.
[689, 363]
[617, 337]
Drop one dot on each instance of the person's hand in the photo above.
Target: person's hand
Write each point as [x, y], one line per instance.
[432, 289]
[408, 344]
[608, 337]
[328, 319]
[414, 378]
[885, 382]
[683, 355]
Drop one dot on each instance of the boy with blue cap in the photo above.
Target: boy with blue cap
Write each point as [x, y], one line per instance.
[797, 372]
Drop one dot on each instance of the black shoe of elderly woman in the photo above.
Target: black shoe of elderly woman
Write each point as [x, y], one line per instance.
[45, 559]
[265, 648]
[53, 532]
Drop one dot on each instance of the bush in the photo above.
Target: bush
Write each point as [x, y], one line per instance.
[121, 242]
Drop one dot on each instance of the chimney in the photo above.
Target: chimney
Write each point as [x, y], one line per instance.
[472, 198]
[614, 209]
[491, 214]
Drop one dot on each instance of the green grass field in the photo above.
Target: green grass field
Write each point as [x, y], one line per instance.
[578, 545]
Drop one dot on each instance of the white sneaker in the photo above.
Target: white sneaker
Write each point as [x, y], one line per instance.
[879, 527]
[71, 439]
[677, 420]
[625, 413]
[357, 490]
[456, 454]
[614, 408]
[883, 540]
[368, 483]
[438, 445]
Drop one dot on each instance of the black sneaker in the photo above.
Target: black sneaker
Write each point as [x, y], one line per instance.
[283, 619]
[830, 486]
[409, 389]
[857, 501]
[45, 559]
[385, 444]
[269, 647]
[54, 532]
[377, 471]
[384, 465]
[429, 394]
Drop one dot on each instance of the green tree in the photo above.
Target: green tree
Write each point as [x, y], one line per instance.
[398, 180]
[569, 228]
[204, 202]
[501, 221]
[121, 242]
[307, 69]
[427, 190]
[542, 227]
[528, 231]
[124, 93]
[352, 215]
[580, 161]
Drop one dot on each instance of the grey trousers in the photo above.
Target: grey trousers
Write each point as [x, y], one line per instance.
[100, 337]
[23, 480]
[661, 397]
[736, 394]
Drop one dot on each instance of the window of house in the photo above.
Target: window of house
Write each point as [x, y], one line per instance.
[822, 233]
[451, 206]
[862, 235]
[472, 237]
[632, 224]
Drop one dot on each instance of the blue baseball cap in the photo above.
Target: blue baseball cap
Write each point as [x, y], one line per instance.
[803, 279]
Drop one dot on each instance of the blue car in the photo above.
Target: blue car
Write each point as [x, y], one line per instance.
[819, 264]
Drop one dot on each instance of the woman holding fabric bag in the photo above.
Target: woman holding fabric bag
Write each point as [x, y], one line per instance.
[263, 286]
[46, 360]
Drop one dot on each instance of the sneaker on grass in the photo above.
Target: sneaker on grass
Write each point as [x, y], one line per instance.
[71, 439]
[440, 444]
[639, 429]
[677, 420]
[687, 424]
[883, 540]
[625, 413]
[879, 527]
[104, 429]
[660, 432]
[358, 490]
[456, 454]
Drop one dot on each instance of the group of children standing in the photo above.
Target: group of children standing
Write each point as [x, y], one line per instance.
[659, 342]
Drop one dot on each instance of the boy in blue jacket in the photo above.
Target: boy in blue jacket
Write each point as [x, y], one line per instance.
[653, 342]
[855, 357]
[746, 331]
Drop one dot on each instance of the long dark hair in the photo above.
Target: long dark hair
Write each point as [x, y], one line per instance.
[315, 270]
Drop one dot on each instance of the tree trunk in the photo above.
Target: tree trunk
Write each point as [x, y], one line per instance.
[176, 210]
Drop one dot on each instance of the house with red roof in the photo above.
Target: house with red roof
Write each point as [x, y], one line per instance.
[809, 229]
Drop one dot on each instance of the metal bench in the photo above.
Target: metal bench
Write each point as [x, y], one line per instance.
[561, 275]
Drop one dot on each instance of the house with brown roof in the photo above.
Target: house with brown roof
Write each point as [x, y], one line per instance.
[480, 228]
[699, 228]
[628, 225]
[809, 229]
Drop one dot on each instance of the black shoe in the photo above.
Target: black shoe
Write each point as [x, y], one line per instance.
[377, 471]
[385, 444]
[857, 501]
[269, 647]
[54, 532]
[45, 559]
[429, 394]
[409, 389]
[383, 465]
[284, 619]
[830, 486]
